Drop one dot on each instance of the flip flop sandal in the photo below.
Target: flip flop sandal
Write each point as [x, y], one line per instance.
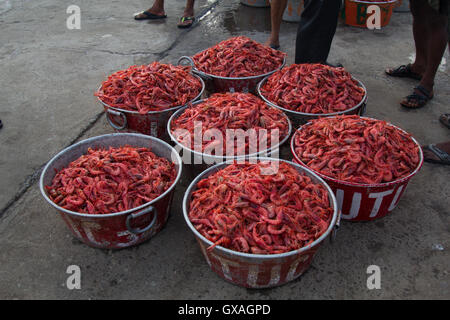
[442, 155]
[274, 46]
[445, 119]
[185, 26]
[149, 16]
[421, 98]
[404, 71]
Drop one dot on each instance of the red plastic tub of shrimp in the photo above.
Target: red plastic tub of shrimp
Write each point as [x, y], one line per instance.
[250, 263]
[369, 184]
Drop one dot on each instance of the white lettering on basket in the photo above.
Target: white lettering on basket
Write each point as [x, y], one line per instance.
[225, 263]
[252, 276]
[275, 275]
[379, 199]
[291, 273]
[74, 228]
[395, 200]
[356, 204]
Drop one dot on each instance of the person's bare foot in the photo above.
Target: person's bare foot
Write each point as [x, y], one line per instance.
[274, 44]
[187, 19]
[445, 119]
[419, 98]
[153, 10]
[437, 153]
[417, 69]
[188, 12]
[405, 71]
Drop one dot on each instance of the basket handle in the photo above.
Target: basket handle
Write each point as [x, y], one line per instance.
[362, 111]
[194, 69]
[189, 59]
[336, 227]
[150, 209]
[119, 114]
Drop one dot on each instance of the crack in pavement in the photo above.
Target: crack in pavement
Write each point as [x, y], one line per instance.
[85, 50]
[34, 177]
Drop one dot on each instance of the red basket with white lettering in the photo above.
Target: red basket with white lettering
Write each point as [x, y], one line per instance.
[364, 202]
[119, 229]
[260, 270]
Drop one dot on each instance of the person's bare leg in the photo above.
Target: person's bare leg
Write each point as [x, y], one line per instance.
[277, 8]
[437, 39]
[420, 33]
[437, 42]
[157, 8]
[189, 9]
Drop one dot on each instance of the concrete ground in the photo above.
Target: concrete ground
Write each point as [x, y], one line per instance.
[47, 79]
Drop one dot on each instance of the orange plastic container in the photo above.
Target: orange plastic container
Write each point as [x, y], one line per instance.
[355, 13]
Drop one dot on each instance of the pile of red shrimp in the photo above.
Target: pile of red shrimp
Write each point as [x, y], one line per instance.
[260, 208]
[238, 57]
[152, 87]
[355, 149]
[247, 114]
[111, 180]
[313, 88]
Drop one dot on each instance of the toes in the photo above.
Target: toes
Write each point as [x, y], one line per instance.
[428, 154]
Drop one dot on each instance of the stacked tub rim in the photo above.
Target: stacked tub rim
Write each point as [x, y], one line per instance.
[228, 84]
[207, 159]
[346, 192]
[300, 118]
[259, 270]
[119, 229]
[151, 123]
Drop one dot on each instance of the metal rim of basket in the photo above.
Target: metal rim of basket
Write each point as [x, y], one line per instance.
[211, 76]
[155, 111]
[224, 158]
[354, 184]
[331, 196]
[114, 214]
[360, 104]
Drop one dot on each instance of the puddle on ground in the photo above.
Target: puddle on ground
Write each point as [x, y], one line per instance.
[5, 5]
[244, 18]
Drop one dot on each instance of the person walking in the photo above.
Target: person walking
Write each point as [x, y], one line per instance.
[157, 12]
